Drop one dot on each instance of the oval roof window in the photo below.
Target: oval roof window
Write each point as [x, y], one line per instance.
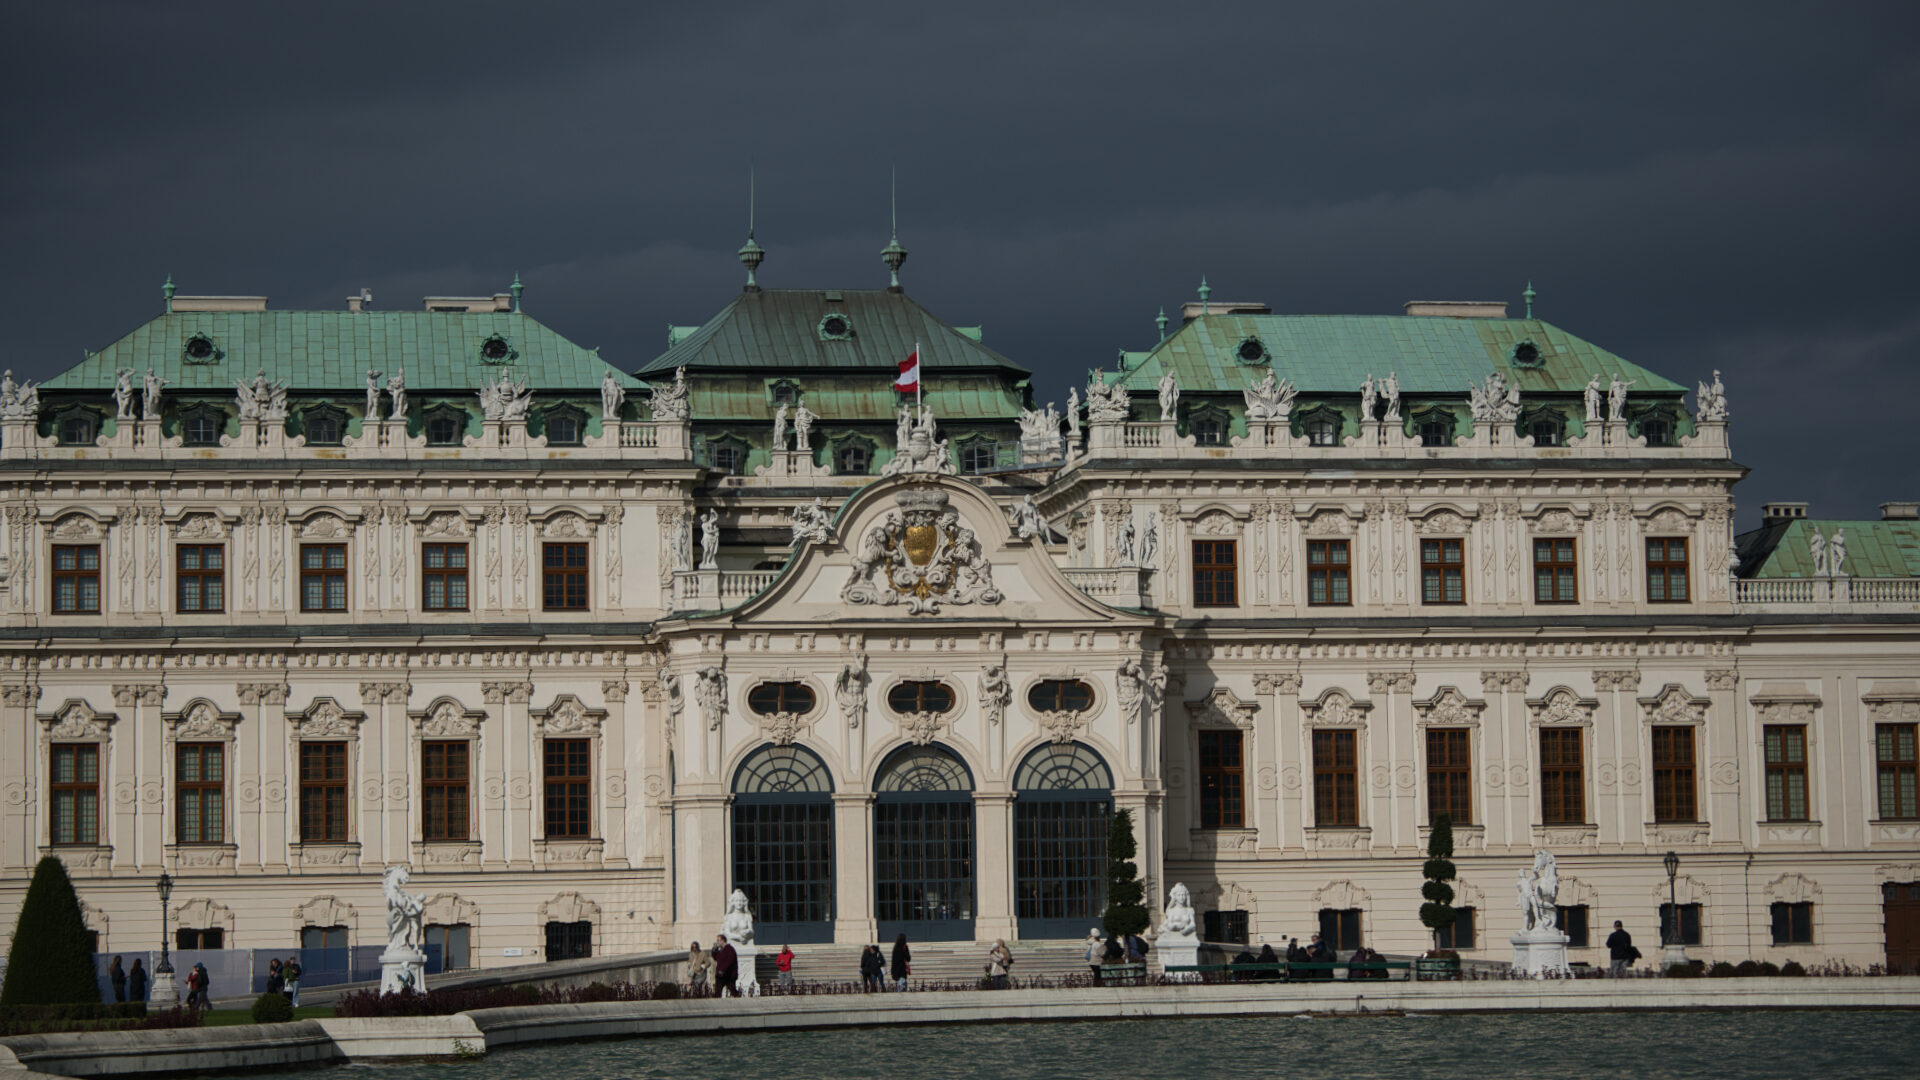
[1251, 351]
[835, 327]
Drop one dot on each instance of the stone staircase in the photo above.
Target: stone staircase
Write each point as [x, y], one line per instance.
[933, 961]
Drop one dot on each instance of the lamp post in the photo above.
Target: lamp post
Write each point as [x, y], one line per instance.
[1676, 951]
[164, 989]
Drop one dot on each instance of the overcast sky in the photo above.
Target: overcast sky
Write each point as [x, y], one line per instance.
[1690, 185]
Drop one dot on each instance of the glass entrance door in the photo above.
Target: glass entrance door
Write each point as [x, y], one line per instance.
[783, 845]
[1062, 811]
[923, 846]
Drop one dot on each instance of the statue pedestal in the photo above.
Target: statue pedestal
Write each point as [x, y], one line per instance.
[403, 968]
[1671, 955]
[163, 992]
[746, 953]
[1541, 951]
[1179, 950]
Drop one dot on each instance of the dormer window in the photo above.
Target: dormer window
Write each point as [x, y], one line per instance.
[200, 349]
[498, 350]
[1209, 430]
[565, 425]
[1547, 427]
[1657, 430]
[77, 428]
[202, 426]
[786, 392]
[323, 425]
[1321, 427]
[444, 426]
[1251, 350]
[1436, 427]
[835, 326]
[979, 456]
[727, 455]
[852, 458]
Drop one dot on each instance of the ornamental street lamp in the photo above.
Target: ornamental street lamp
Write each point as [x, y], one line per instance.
[1676, 950]
[163, 985]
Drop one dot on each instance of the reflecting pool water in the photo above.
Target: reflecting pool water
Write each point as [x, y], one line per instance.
[1856, 1045]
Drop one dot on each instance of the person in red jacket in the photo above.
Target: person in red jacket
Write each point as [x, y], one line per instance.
[726, 967]
[784, 965]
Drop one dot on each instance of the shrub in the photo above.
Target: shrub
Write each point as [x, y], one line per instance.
[1792, 969]
[50, 962]
[666, 991]
[1723, 970]
[1437, 912]
[1769, 968]
[272, 1007]
[1746, 969]
[1682, 971]
[1126, 907]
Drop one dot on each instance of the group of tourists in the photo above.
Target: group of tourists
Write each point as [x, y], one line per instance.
[284, 978]
[133, 984]
[880, 972]
[719, 965]
[1106, 952]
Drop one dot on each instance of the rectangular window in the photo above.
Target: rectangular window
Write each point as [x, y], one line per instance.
[1786, 772]
[1894, 746]
[1572, 921]
[443, 577]
[200, 578]
[569, 940]
[443, 790]
[323, 577]
[1221, 776]
[75, 787]
[1443, 572]
[1667, 571]
[1450, 775]
[1327, 577]
[1340, 928]
[1793, 923]
[212, 938]
[76, 579]
[1553, 572]
[455, 941]
[565, 569]
[1215, 573]
[569, 788]
[1689, 924]
[1673, 791]
[200, 783]
[1563, 782]
[1336, 779]
[1460, 934]
[323, 792]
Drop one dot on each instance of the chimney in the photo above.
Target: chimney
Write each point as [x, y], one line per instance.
[1900, 511]
[219, 303]
[363, 302]
[1192, 309]
[1459, 309]
[1775, 513]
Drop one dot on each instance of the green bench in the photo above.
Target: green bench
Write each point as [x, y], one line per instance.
[1123, 974]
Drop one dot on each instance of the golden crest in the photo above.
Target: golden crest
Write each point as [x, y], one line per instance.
[920, 542]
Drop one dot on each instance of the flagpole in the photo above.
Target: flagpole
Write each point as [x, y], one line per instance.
[919, 376]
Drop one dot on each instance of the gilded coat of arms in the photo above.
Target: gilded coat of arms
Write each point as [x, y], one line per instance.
[920, 555]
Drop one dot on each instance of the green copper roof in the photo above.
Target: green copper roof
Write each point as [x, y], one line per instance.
[848, 398]
[1430, 355]
[782, 329]
[1875, 549]
[332, 350]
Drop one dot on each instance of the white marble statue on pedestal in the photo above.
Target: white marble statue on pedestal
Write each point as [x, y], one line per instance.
[737, 928]
[612, 396]
[1169, 398]
[1617, 400]
[780, 428]
[802, 429]
[710, 540]
[1179, 938]
[1390, 392]
[1540, 949]
[123, 394]
[1712, 400]
[1591, 397]
[403, 966]
[1027, 522]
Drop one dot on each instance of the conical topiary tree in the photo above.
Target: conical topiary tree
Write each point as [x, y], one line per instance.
[1126, 908]
[1437, 912]
[50, 962]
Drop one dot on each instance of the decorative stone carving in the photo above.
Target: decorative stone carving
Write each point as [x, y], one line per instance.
[567, 716]
[1277, 682]
[78, 721]
[1627, 680]
[1562, 706]
[921, 727]
[1443, 523]
[325, 719]
[446, 719]
[850, 686]
[322, 527]
[781, 728]
[923, 556]
[1221, 708]
[1674, 706]
[1555, 522]
[201, 720]
[1493, 681]
[1107, 404]
[669, 401]
[1669, 522]
[1493, 401]
[812, 523]
[1270, 400]
[995, 691]
[1330, 523]
[1062, 725]
[565, 527]
[614, 690]
[918, 447]
[710, 690]
[1450, 708]
[1335, 708]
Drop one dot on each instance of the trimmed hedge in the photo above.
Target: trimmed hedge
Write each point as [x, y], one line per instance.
[51, 961]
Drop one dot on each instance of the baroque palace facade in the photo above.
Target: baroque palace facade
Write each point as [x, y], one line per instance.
[284, 601]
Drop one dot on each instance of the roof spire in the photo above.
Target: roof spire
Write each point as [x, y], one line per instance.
[1205, 291]
[893, 254]
[1528, 297]
[516, 289]
[1161, 322]
[167, 292]
[751, 254]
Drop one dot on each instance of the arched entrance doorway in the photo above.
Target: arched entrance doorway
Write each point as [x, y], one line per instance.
[923, 857]
[1062, 809]
[783, 844]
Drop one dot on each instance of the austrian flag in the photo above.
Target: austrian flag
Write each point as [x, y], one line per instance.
[909, 380]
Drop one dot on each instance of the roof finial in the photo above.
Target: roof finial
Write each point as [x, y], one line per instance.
[1161, 322]
[893, 254]
[516, 288]
[751, 254]
[1528, 297]
[1205, 291]
[167, 292]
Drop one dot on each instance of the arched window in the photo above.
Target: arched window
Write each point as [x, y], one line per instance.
[1060, 695]
[768, 698]
[916, 697]
[1063, 804]
[783, 843]
[923, 850]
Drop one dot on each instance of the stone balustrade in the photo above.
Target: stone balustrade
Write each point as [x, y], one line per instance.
[1826, 595]
[706, 590]
[137, 440]
[1120, 586]
[1161, 440]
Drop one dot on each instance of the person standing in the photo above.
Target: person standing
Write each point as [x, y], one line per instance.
[276, 982]
[1096, 950]
[784, 965]
[902, 965]
[291, 972]
[999, 963]
[137, 982]
[1137, 949]
[1620, 950]
[870, 968]
[726, 967]
[698, 964]
[119, 980]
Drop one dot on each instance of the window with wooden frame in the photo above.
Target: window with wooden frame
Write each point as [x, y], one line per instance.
[1563, 777]
[1688, 932]
[1571, 920]
[564, 577]
[1555, 572]
[1786, 753]
[323, 792]
[444, 772]
[1328, 574]
[1894, 749]
[1673, 781]
[443, 577]
[1340, 929]
[1222, 776]
[200, 578]
[569, 788]
[1460, 935]
[920, 696]
[74, 787]
[1792, 922]
[76, 579]
[1336, 779]
[323, 577]
[1216, 573]
[1443, 572]
[200, 793]
[1667, 570]
[1450, 775]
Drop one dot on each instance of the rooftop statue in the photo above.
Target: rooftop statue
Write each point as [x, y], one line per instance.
[811, 522]
[1369, 399]
[506, 399]
[1837, 553]
[1073, 418]
[917, 447]
[780, 428]
[1270, 400]
[612, 396]
[18, 401]
[1592, 396]
[1493, 401]
[373, 395]
[1617, 400]
[1390, 390]
[710, 540]
[1107, 404]
[670, 402]
[1169, 397]
[261, 400]
[150, 395]
[397, 391]
[1026, 519]
[1040, 427]
[803, 429]
[123, 394]
[1711, 401]
[1817, 550]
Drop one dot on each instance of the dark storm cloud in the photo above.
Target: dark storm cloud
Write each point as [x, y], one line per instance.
[1689, 185]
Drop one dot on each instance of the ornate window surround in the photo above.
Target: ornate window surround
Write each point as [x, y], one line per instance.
[199, 720]
[853, 438]
[444, 719]
[1336, 709]
[60, 416]
[326, 910]
[1076, 725]
[567, 717]
[784, 728]
[924, 728]
[75, 721]
[324, 720]
[1450, 708]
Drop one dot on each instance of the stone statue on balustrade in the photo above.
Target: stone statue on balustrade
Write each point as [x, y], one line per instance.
[1493, 401]
[1591, 396]
[612, 396]
[1711, 401]
[918, 448]
[1073, 418]
[1107, 404]
[1390, 391]
[812, 523]
[710, 540]
[150, 394]
[18, 401]
[123, 394]
[670, 401]
[1369, 399]
[403, 964]
[259, 399]
[1169, 398]
[397, 395]
[1617, 399]
[780, 428]
[803, 429]
[1837, 553]
[1270, 400]
[373, 395]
